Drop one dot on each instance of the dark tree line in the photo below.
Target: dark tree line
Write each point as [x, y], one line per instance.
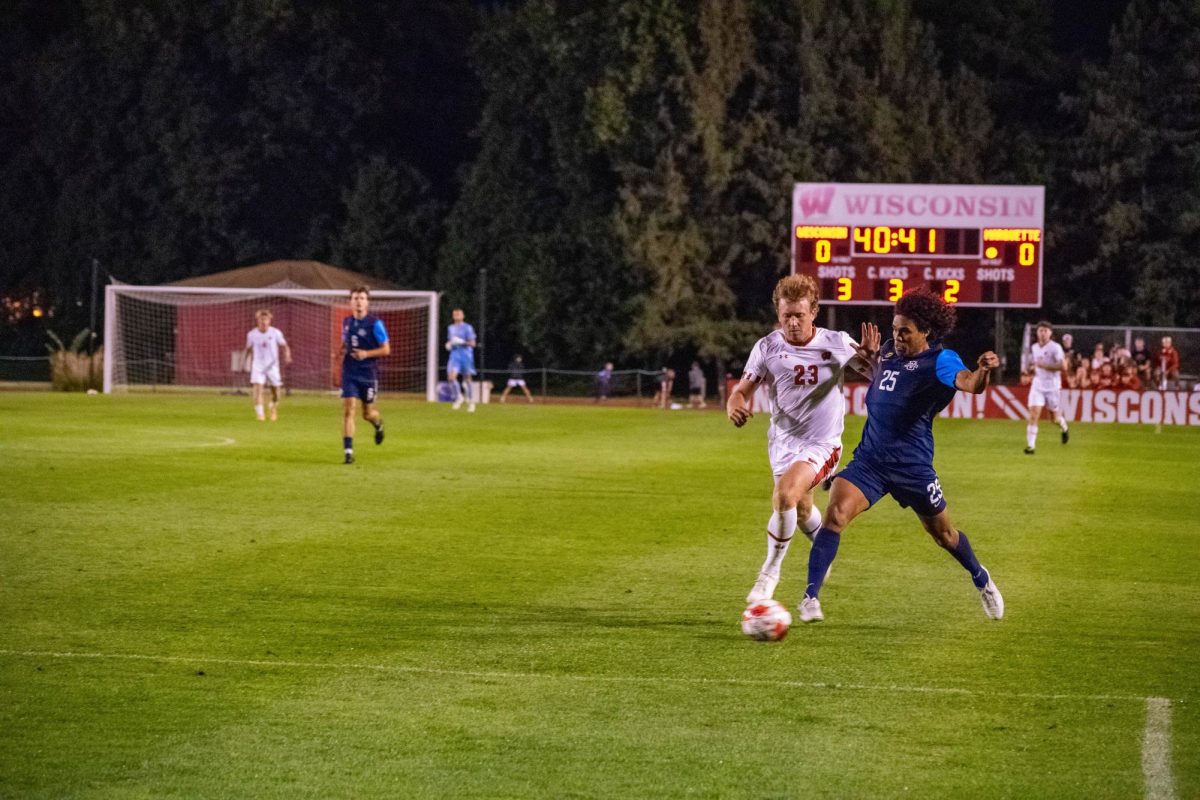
[621, 168]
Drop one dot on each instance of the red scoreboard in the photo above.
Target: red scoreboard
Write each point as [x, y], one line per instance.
[868, 243]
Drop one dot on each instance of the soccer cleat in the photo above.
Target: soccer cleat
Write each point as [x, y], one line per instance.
[470, 408]
[457, 405]
[1065, 436]
[260, 418]
[810, 610]
[379, 433]
[764, 588]
[349, 458]
[1028, 451]
[993, 602]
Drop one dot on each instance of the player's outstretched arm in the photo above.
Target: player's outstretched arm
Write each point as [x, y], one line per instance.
[976, 380]
[738, 405]
[867, 349]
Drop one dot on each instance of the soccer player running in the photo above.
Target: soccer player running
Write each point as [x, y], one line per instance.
[460, 341]
[263, 345]
[803, 368]
[1049, 363]
[914, 379]
[364, 342]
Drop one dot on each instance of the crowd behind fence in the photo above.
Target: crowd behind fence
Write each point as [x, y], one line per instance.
[1124, 357]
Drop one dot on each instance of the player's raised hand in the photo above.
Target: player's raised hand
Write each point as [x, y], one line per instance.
[868, 346]
[989, 361]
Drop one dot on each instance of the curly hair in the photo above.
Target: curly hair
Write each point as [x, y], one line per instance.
[928, 311]
[793, 288]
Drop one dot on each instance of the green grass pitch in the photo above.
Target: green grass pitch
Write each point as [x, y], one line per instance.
[543, 601]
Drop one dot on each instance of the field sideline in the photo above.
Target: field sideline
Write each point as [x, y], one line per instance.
[542, 601]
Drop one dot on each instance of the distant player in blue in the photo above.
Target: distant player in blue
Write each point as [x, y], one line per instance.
[364, 342]
[460, 341]
[914, 379]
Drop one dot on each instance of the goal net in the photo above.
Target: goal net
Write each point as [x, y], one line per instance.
[193, 337]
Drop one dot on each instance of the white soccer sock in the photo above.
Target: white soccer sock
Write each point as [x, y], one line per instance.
[812, 524]
[1031, 435]
[1062, 421]
[780, 530]
[258, 409]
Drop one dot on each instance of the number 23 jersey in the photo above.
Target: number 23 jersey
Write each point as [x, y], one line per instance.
[804, 384]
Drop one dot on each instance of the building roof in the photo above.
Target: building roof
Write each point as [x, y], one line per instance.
[288, 275]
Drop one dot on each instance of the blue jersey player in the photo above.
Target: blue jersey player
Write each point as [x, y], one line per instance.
[914, 378]
[364, 342]
[460, 341]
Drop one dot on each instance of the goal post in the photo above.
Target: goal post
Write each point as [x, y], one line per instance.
[193, 337]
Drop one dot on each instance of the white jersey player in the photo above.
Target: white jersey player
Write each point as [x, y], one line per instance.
[1046, 369]
[802, 368]
[264, 345]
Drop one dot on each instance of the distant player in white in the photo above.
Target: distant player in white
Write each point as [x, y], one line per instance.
[263, 346]
[802, 367]
[1046, 366]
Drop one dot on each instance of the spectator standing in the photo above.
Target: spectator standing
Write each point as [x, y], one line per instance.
[604, 379]
[1142, 360]
[1098, 357]
[1168, 365]
[696, 386]
[666, 383]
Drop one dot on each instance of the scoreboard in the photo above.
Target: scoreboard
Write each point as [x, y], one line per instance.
[868, 243]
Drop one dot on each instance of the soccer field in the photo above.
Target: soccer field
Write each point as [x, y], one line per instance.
[543, 601]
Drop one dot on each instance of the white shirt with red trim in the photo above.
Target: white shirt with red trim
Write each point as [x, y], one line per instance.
[804, 383]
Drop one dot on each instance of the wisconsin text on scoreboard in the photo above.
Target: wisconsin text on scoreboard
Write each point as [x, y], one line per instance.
[868, 243]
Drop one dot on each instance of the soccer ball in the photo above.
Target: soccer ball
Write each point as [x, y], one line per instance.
[766, 621]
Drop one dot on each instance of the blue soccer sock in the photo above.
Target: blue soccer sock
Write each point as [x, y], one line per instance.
[348, 443]
[966, 556]
[824, 548]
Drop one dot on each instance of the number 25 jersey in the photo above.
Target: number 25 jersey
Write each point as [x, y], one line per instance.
[906, 393]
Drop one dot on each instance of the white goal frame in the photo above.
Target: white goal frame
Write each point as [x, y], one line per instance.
[114, 290]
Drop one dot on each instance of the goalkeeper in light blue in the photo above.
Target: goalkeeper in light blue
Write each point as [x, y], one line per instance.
[460, 341]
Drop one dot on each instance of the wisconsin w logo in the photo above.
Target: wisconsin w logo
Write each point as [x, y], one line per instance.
[816, 201]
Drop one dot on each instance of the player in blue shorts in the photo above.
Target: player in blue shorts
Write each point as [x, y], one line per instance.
[364, 342]
[914, 378]
[460, 341]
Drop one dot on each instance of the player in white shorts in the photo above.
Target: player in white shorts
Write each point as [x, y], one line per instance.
[802, 367]
[263, 346]
[1046, 368]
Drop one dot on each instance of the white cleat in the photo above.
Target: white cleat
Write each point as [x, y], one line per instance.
[764, 588]
[810, 610]
[457, 405]
[993, 601]
[470, 408]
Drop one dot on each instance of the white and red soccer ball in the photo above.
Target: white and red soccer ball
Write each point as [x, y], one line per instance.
[766, 621]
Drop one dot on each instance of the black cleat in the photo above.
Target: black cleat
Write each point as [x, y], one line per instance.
[1028, 451]
[349, 458]
[379, 433]
[1065, 437]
